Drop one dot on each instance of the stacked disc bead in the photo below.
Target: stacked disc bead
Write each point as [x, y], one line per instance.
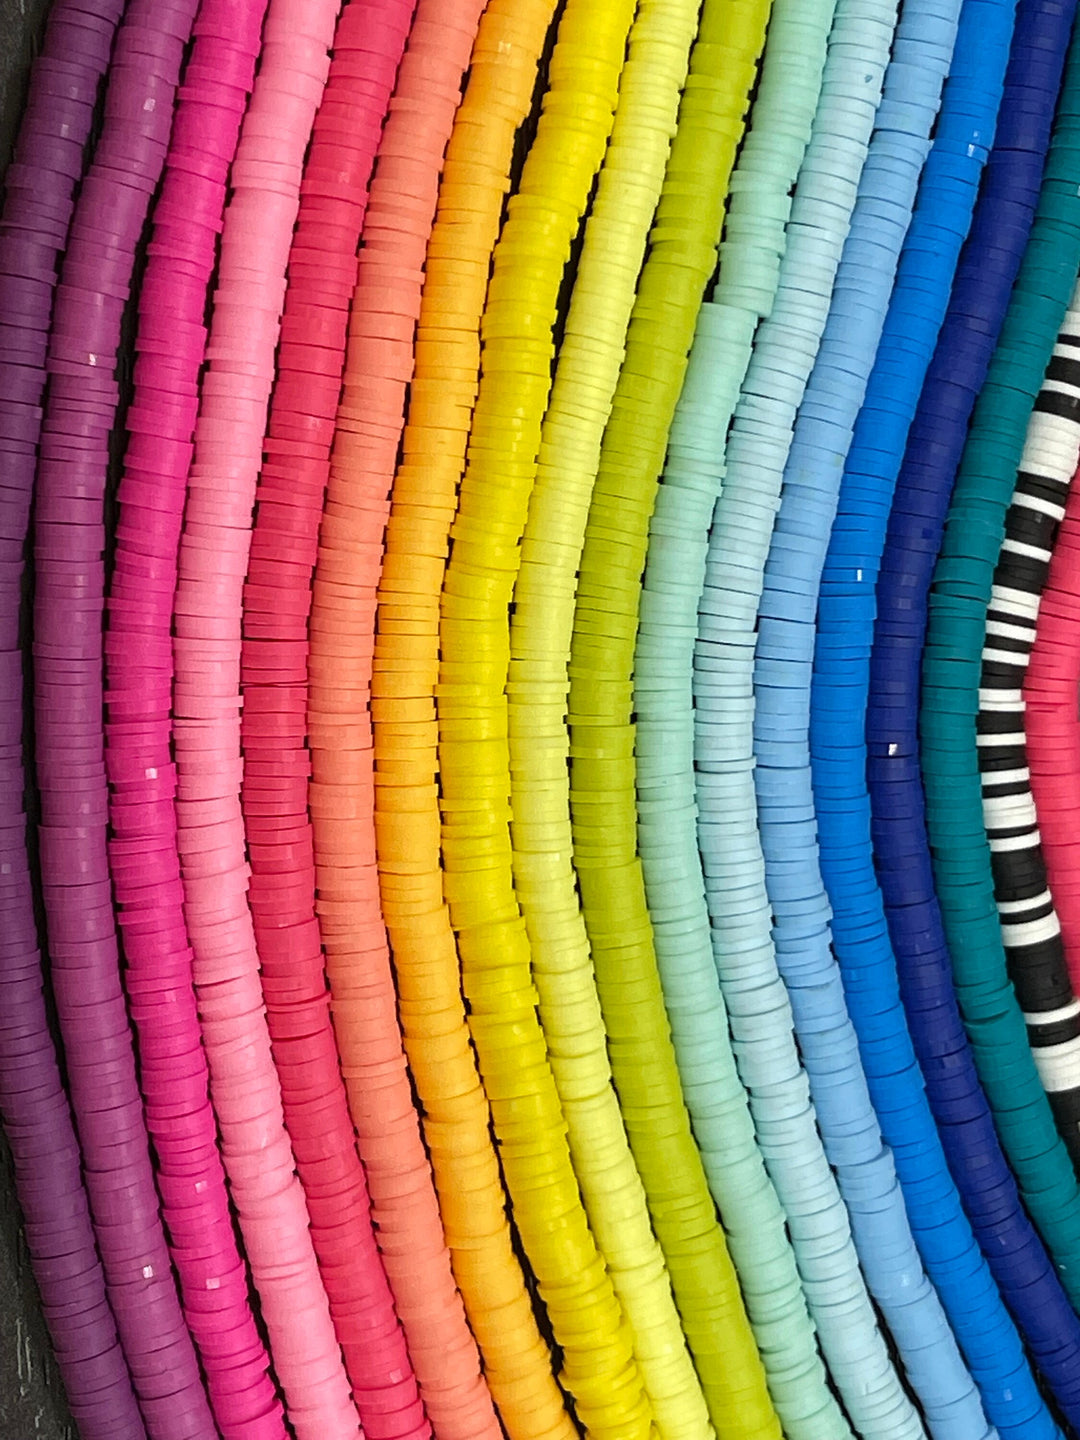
[590, 353]
[160, 419]
[927, 44]
[1031, 931]
[599, 1367]
[69, 552]
[368, 44]
[735, 880]
[754, 236]
[841, 678]
[1051, 730]
[556, 851]
[685, 234]
[456, 1116]
[988, 265]
[247, 304]
[370, 419]
[951, 673]
[38, 207]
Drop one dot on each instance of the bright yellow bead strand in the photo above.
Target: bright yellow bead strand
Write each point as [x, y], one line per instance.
[588, 369]
[600, 1368]
[455, 1110]
[682, 257]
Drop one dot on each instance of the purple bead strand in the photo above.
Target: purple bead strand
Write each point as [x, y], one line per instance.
[69, 541]
[39, 202]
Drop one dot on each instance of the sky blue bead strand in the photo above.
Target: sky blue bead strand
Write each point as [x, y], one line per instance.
[760, 1015]
[839, 692]
[750, 252]
[823, 432]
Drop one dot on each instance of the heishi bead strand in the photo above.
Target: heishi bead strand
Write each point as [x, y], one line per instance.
[1030, 929]
[670, 289]
[855, 1079]
[838, 703]
[69, 544]
[951, 669]
[368, 44]
[1051, 728]
[821, 438]
[39, 201]
[921, 55]
[529, 260]
[455, 1113]
[414, 801]
[867, 1181]
[368, 427]
[723, 1128]
[735, 881]
[247, 303]
[541, 625]
[934, 442]
[170, 347]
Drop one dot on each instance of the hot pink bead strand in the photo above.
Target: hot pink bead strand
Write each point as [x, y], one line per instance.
[248, 300]
[170, 347]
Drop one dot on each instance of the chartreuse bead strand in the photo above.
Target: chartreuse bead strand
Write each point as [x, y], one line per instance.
[600, 1369]
[588, 368]
[603, 809]
[754, 238]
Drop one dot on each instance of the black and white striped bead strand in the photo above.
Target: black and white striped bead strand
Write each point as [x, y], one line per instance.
[1029, 923]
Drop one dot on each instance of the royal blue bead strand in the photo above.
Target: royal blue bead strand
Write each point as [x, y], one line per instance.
[988, 265]
[839, 689]
[952, 664]
[786, 628]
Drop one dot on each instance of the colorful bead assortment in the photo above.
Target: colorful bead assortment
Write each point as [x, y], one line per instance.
[540, 585]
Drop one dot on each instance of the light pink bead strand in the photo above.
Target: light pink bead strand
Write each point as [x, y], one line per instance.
[213, 556]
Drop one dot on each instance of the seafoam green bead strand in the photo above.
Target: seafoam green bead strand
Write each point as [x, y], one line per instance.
[749, 273]
[603, 806]
[769, 1063]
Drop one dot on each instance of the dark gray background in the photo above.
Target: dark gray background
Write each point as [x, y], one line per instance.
[31, 1397]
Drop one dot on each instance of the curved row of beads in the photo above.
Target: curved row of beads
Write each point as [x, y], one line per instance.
[467, 964]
